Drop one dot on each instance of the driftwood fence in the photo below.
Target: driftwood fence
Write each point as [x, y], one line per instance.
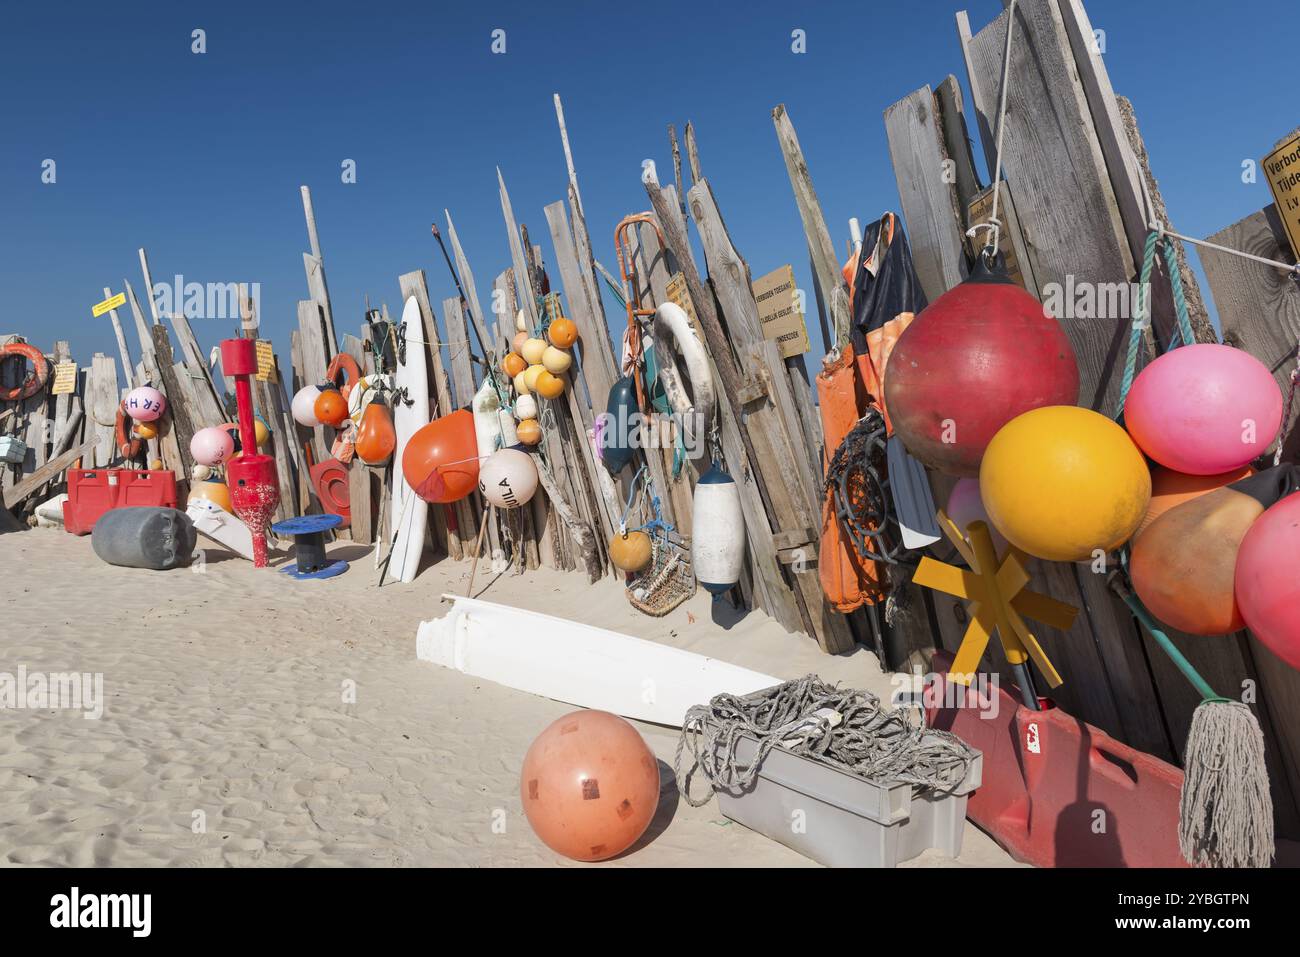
[1073, 208]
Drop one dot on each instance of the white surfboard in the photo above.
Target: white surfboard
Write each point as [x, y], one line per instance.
[410, 513]
[214, 522]
[577, 663]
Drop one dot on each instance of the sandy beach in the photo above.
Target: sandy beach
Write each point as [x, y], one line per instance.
[249, 719]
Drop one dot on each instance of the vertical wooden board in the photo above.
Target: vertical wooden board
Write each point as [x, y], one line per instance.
[1064, 197]
[178, 411]
[462, 370]
[1278, 704]
[599, 367]
[928, 195]
[956, 138]
[361, 503]
[476, 314]
[102, 399]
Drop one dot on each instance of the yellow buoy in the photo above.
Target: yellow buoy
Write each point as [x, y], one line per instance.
[521, 383]
[215, 492]
[528, 432]
[549, 386]
[147, 430]
[532, 374]
[556, 360]
[533, 350]
[155, 465]
[1061, 482]
[630, 551]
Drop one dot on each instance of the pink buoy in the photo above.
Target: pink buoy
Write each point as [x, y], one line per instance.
[145, 403]
[1204, 409]
[966, 506]
[212, 446]
[1265, 583]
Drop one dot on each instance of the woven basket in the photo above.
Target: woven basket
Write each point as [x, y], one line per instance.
[665, 583]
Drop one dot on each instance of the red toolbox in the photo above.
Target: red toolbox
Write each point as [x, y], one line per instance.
[1056, 791]
[92, 492]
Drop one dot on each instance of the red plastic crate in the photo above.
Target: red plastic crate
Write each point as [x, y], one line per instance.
[146, 488]
[91, 493]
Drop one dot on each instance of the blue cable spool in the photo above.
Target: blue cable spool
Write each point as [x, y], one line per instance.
[308, 532]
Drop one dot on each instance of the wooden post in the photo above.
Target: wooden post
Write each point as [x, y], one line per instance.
[314, 265]
[121, 340]
[148, 288]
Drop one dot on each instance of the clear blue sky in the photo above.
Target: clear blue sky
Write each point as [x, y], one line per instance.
[199, 158]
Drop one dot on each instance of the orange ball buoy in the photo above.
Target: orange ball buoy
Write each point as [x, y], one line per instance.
[517, 343]
[562, 333]
[589, 786]
[631, 551]
[548, 385]
[330, 407]
[528, 432]
[1170, 489]
[513, 364]
[440, 461]
[146, 430]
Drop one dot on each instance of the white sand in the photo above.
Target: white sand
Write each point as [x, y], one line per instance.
[224, 695]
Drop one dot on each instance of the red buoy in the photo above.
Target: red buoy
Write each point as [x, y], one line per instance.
[978, 356]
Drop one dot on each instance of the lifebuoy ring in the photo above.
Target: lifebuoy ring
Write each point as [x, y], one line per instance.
[127, 447]
[351, 372]
[694, 409]
[33, 383]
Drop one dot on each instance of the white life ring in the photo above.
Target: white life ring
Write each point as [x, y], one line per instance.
[694, 409]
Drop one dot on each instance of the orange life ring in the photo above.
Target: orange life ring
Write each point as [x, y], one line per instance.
[351, 372]
[127, 447]
[34, 382]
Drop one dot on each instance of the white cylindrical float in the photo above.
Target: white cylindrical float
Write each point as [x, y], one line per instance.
[494, 427]
[717, 532]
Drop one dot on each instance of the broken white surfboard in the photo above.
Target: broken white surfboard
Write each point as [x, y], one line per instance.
[578, 664]
[216, 523]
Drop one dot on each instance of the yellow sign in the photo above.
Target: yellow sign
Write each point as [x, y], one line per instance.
[1282, 168]
[265, 361]
[65, 378]
[100, 308]
[780, 312]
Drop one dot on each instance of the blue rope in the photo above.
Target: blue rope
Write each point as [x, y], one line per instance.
[1182, 334]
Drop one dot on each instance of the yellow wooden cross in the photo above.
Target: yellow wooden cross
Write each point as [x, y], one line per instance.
[998, 600]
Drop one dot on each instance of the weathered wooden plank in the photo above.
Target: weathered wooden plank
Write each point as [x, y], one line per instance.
[1064, 197]
[599, 368]
[468, 510]
[182, 427]
[476, 315]
[13, 496]
[929, 198]
[315, 268]
[123, 351]
[956, 138]
[315, 361]
[103, 396]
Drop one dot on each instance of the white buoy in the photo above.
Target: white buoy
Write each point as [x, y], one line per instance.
[717, 532]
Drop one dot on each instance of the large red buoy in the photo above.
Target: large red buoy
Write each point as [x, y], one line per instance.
[440, 462]
[978, 356]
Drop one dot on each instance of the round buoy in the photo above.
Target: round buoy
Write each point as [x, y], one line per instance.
[517, 343]
[146, 430]
[525, 407]
[440, 461]
[1170, 489]
[562, 333]
[155, 465]
[521, 383]
[533, 350]
[513, 364]
[508, 478]
[1204, 409]
[549, 386]
[630, 551]
[212, 491]
[717, 532]
[303, 407]
[589, 786]
[1267, 586]
[211, 446]
[556, 360]
[977, 357]
[1183, 563]
[1061, 482]
[144, 403]
[331, 408]
[528, 432]
[532, 374]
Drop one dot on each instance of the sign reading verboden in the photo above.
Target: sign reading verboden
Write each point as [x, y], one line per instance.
[1282, 168]
[779, 312]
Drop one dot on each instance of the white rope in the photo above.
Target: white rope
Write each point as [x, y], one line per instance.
[994, 225]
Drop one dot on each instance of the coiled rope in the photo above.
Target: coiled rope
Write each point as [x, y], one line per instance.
[842, 727]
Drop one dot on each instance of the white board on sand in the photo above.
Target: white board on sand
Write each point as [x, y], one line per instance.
[578, 664]
[409, 512]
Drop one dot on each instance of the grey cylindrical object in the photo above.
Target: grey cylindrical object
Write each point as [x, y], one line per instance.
[144, 537]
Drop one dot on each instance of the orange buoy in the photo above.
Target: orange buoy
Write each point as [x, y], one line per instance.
[513, 364]
[330, 407]
[630, 551]
[528, 432]
[1170, 489]
[563, 333]
[589, 786]
[548, 385]
[440, 461]
[376, 437]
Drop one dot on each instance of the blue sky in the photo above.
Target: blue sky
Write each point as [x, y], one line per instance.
[199, 158]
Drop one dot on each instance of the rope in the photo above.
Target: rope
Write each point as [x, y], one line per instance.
[994, 225]
[858, 481]
[1182, 334]
[842, 728]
